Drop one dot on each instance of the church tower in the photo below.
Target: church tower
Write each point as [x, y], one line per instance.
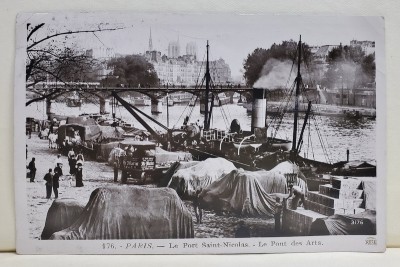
[150, 42]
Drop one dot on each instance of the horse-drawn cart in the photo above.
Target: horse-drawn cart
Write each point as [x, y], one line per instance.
[138, 162]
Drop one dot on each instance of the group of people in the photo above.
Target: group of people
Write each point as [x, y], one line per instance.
[52, 177]
[76, 166]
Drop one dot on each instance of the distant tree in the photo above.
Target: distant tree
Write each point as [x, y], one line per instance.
[50, 57]
[132, 70]
[369, 70]
[349, 67]
[255, 61]
[254, 64]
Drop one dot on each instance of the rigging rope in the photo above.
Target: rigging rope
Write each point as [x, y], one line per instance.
[196, 87]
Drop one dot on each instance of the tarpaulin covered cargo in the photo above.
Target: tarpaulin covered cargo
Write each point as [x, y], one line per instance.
[61, 214]
[131, 212]
[274, 181]
[238, 192]
[81, 121]
[172, 170]
[200, 175]
[86, 132]
[109, 132]
[358, 224]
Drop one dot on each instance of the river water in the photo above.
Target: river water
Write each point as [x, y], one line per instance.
[337, 134]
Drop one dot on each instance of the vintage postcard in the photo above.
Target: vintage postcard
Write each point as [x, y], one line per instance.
[161, 133]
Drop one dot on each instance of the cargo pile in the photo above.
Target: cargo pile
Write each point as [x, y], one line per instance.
[343, 196]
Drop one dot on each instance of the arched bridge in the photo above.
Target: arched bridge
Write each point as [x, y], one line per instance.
[156, 94]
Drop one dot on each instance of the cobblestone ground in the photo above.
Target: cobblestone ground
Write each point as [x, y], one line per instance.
[225, 226]
[98, 174]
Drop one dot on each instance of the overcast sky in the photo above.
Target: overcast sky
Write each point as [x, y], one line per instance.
[232, 37]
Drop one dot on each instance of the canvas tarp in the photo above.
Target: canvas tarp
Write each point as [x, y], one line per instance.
[238, 192]
[86, 133]
[81, 121]
[131, 212]
[369, 195]
[274, 181]
[172, 170]
[108, 132]
[61, 214]
[200, 175]
[92, 132]
[358, 224]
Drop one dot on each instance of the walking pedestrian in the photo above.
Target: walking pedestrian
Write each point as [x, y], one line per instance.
[59, 165]
[197, 207]
[277, 215]
[79, 175]
[80, 157]
[72, 165]
[32, 170]
[58, 160]
[49, 183]
[56, 182]
[58, 169]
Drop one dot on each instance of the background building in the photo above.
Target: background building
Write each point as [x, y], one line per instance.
[367, 46]
[176, 69]
[174, 49]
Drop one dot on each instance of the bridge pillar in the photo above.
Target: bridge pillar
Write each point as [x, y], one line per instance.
[49, 109]
[104, 106]
[156, 106]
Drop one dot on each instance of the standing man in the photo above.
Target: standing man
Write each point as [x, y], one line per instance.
[72, 165]
[56, 182]
[79, 174]
[58, 165]
[49, 183]
[278, 215]
[196, 205]
[32, 170]
[299, 195]
[71, 154]
[58, 160]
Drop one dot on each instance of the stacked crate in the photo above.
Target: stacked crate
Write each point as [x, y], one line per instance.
[343, 196]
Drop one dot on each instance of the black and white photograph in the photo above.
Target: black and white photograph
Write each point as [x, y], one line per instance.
[171, 133]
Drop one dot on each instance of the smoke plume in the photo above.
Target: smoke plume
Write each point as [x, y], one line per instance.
[275, 75]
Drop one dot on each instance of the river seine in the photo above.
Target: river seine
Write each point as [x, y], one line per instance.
[336, 133]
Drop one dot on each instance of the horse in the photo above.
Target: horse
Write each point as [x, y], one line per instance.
[53, 141]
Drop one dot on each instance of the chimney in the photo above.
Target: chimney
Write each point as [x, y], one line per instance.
[259, 109]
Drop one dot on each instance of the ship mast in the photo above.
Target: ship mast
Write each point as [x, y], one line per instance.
[207, 74]
[296, 103]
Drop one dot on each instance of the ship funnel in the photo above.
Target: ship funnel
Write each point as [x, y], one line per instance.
[259, 109]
